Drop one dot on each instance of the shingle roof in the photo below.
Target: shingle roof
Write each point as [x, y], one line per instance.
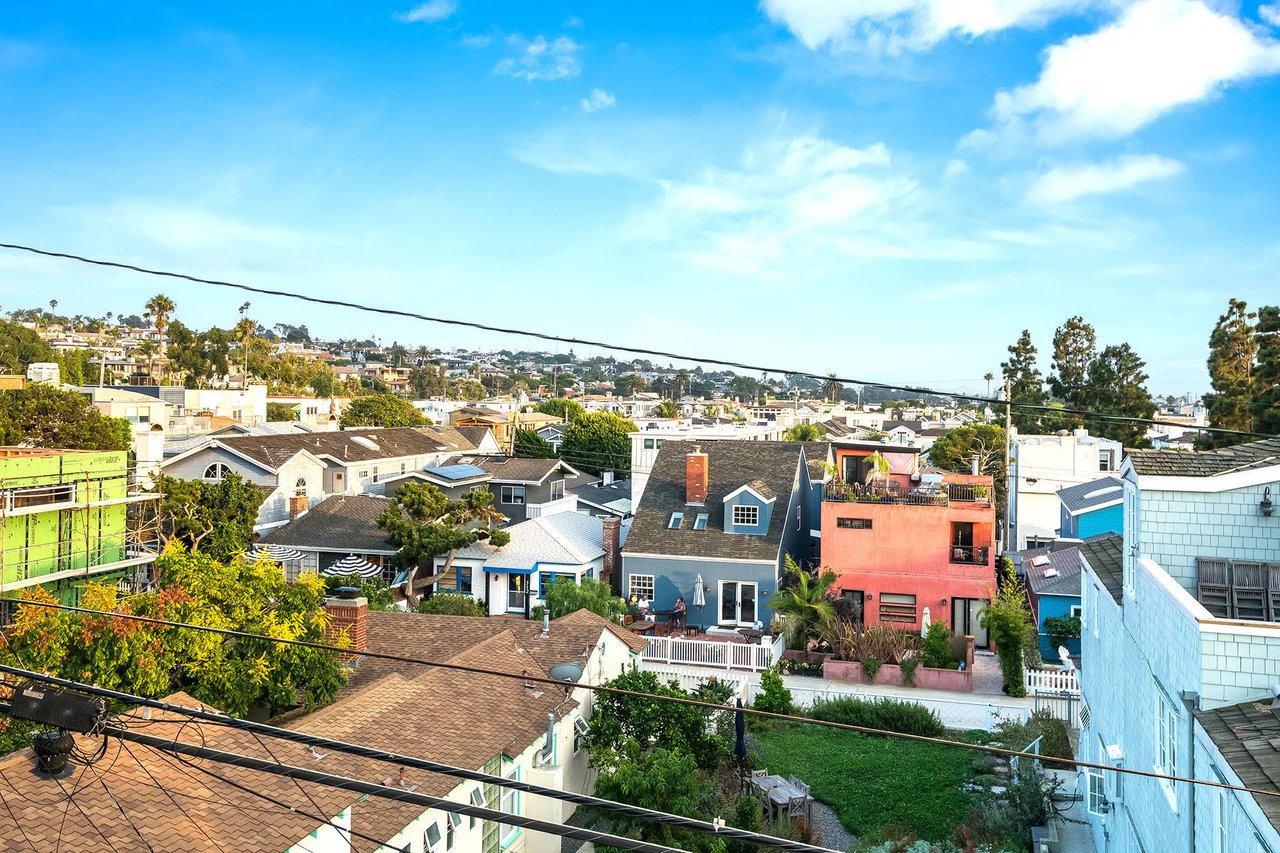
[731, 464]
[1210, 463]
[338, 523]
[1248, 736]
[352, 445]
[615, 496]
[1052, 572]
[569, 538]
[815, 455]
[474, 435]
[512, 469]
[1105, 555]
[1092, 495]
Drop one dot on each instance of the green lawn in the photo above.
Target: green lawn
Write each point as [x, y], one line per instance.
[874, 781]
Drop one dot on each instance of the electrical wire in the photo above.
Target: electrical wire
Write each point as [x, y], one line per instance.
[156, 783]
[485, 327]
[123, 813]
[604, 688]
[18, 823]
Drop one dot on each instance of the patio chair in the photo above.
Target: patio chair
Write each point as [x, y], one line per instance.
[758, 774]
[796, 806]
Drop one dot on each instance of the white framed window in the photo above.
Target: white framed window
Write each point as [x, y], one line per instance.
[1106, 460]
[509, 802]
[557, 490]
[375, 473]
[580, 730]
[1130, 537]
[648, 444]
[1166, 738]
[363, 474]
[216, 472]
[745, 515]
[477, 799]
[1097, 794]
[1220, 807]
[512, 495]
[431, 838]
[700, 521]
[1076, 610]
[673, 523]
[640, 586]
[300, 488]
[451, 823]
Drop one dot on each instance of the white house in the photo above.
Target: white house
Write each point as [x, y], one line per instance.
[1040, 466]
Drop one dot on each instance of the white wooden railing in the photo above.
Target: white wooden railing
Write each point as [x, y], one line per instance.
[1051, 680]
[713, 655]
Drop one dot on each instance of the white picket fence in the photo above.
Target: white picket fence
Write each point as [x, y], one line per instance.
[713, 655]
[1051, 680]
[690, 678]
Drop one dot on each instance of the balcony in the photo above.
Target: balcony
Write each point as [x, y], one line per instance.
[979, 555]
[942, 495]
[568, 503]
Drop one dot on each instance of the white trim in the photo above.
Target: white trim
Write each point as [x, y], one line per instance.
[703, 559]
[1075, 512]
[1215, 483]
[738, 623]
[747, 488]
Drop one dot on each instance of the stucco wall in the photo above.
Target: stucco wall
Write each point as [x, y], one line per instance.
[675, 576]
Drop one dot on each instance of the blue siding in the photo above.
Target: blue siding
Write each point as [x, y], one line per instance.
[745, 498]
[675, 576]
[1109, 520]
[1052, 606]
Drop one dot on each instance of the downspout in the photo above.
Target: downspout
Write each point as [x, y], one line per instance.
[545, 754]
[1190, 699]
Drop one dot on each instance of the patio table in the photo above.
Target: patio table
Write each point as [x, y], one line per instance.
[779, 793]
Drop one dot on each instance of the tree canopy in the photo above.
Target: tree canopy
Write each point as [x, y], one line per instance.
[1265, 406]
[803, 432]
[598, 441]
[1232, 349]
[561, 407]
[956, 451]
[212, 518]
[565, 597]
[381, 410]
[44, 416]
[19, 347]
[533, 446]
[1025, 384]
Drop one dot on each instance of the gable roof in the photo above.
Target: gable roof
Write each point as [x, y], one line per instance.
[1051, 572]
[615, 497]
[1096, 494]
[1248, 736]
[346, 523]
[515, 469]
[1105, 555]
[351, 445]
[815, 456]
[569, 538]
[1210, 463]
[731, 464]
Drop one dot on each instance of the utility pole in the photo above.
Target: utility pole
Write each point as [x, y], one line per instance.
[1008, 461]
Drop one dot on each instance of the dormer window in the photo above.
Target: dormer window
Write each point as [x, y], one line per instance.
[676, 519]
[746, 516]
[700, 522]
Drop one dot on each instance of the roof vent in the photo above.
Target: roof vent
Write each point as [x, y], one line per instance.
[1042, 560]
[1051, 573]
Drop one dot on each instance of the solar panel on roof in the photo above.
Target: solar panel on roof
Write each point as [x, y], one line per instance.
[457, 472]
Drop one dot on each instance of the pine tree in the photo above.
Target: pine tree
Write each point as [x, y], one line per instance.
[1074, 350]
[1117, 386]
[1265, 406]
[1024, 380]
[1232, 347]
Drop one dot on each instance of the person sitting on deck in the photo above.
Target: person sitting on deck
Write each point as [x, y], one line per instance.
[678, 613]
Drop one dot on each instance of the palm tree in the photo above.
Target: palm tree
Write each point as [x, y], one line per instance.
[666, 409]
[803, 432]
[159, 307]
[632, 383]
[422, 354]
[832, 389]
[244, 334]
[682, 382]
[804, 605]
[989, 377]
[397, 354]
[148, 350]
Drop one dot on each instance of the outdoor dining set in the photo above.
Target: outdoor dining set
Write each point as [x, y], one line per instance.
[781, 797]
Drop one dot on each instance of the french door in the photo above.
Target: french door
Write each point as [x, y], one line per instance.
[965, 613]
[738, 603]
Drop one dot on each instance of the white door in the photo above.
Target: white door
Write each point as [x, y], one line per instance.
[738, 603]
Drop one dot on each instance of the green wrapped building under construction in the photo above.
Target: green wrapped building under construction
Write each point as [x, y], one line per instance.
[67, 516]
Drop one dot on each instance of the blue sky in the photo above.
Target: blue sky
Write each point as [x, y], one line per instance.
[888, 189]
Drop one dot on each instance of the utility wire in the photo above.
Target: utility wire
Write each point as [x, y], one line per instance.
[431, 766]
[604, 688]
[470, 324]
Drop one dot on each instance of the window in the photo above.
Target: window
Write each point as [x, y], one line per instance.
[1106, 460]
[363, 474]
[580, 730]
[658, 443]
[673, 523]
[512, 495]
[450, 822]
[1097, 792]
[897, 607]
[1075, 610]
[557, 490]
[216, 471]
[431, 838]
[648, 444]
[746, 516]
[547, 579]
[42, 496]
[640, 586]
[1166, 736]
[509, 802]
[700, 521]
[477, 799]
[458, 580]
[375, 473]
[1220, 813]
[854, 523]
[300, 488]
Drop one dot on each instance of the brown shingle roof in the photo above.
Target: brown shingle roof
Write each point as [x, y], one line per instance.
[1105, 555]
[346, 523]
[352, 445]
[512, 469]
[1211, 463]
[1248, 735]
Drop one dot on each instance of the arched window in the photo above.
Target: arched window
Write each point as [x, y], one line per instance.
[300, 488]
[216, 471]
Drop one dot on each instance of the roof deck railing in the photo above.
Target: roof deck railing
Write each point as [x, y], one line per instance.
[891, 492]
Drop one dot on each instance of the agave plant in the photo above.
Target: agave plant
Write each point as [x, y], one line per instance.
[804, 606]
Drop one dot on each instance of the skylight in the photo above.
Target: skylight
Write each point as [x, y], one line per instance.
[364, 441]
[1051, 573]
[1042, 560]
[700, 522]
[1097, 493]
[676, 518]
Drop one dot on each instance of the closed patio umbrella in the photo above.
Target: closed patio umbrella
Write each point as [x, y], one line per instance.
[924, 622]
[699, 598]
[353, 565]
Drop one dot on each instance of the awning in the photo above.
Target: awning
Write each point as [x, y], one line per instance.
[496, 570]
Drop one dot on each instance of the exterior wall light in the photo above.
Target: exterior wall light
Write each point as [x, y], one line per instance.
[944, 602]
[870, 596]
[1267, 508]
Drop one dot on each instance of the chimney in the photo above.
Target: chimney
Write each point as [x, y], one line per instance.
[975, 466]
[350, 615]
[606, 478]
[297, 506]
[612, 559]
[695, 477]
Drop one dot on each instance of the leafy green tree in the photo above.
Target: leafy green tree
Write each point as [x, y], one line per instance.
[375, 590]
[426, 381]
[281, 412]
[1025, 384]
[803, 603]
[561, 407]
[1266, 375]
[19, 347]
[666, 409]
[774, 697]
[629, 726]
[451, 604]
[1232, 349]
[744, 388]
[598, 441]
[1074, 349]
[233, 675]
[469, 389]
[212, 518]
[803, 432]
[44, 416]
[381, 410]
[423, 523]
[663, 780]
[1006, 619]
[533, 446]
[565, 597]
[956, 451]
[1117, 386]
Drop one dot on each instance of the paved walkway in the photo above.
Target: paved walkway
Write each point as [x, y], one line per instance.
[1073, 830]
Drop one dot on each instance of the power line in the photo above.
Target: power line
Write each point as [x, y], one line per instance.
[428, 765]
[485, 327]
[604, 688]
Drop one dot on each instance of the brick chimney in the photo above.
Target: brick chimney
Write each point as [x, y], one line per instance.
[695, 477]
[350, 615]
[612, 556]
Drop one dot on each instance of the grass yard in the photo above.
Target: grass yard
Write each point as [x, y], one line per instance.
[872, 782]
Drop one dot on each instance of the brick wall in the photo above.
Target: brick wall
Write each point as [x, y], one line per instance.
[350, 615]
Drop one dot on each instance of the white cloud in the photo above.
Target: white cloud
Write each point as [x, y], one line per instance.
[429, 12]
[955, 168]
[477, 41]
[1270, 13]
[598, 100]
[541, 59]
[1159, 55]
[890, 26]
[1067, 183]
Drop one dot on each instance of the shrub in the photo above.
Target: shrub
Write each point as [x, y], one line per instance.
[959, 648]
[452, 604]
[871, 666]
[774, 697]
[909, 670]
[1054, 740]
[895, 715]
[1007, 621]
[1061, 629]
[935, 649]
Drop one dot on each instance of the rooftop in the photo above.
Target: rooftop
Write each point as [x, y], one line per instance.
[567, 538]
[1095, 494]
[343, 523]
[1105, 555]
[355, 445]
[1248, 736]
[1209, 463]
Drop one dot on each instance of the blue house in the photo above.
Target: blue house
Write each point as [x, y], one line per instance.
[1091, 509]
[728, 512]
[1053, 587]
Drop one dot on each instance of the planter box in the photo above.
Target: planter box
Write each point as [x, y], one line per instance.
[844, 670]
[890, 675]
[945, 679]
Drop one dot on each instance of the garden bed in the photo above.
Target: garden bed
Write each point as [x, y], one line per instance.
[891, 675]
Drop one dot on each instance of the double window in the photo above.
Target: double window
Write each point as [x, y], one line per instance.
[1106, 460]
[1166, 735]
[548, 579]
[512, 495]
[557, 490]
[745, 515]
[1097, 792]
[458, 580]
[216, 472]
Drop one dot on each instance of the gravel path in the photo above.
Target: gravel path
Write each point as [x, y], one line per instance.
[832, 832]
